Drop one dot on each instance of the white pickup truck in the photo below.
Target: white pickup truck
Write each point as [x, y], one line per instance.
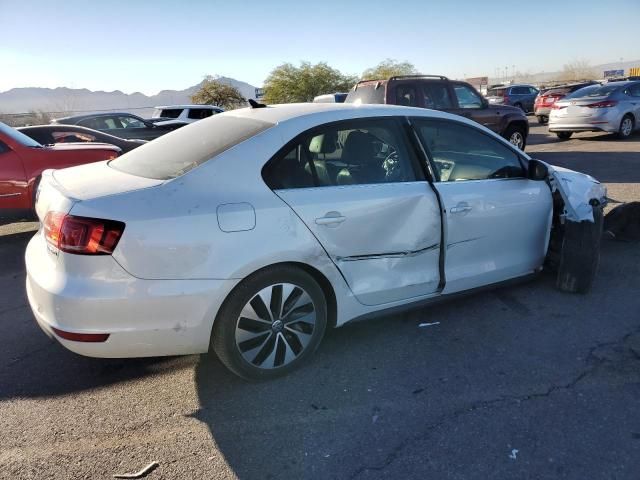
[183, 113]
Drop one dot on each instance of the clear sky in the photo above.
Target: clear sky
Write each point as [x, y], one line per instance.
[149, 45]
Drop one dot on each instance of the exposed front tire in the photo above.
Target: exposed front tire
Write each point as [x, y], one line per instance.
[516, 135]
[627, 126]
[270, 323]
[564, 135]
[580, 254]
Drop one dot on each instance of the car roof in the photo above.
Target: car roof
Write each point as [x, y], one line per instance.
[213, 107]
[335, 111]
[92, 115]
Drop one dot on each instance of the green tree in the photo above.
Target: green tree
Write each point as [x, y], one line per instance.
[287, 83]
[389, 68]
[214, 92]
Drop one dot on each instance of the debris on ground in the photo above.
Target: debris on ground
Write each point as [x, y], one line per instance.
[514, 454]
[142, 473]
[623, 222]
[428, 324]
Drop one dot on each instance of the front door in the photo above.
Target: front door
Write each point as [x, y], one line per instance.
[497, 221]
[470, 104]
[357, 186]
[14, 196]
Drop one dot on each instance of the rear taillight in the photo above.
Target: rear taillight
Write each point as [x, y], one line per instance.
[82, 235]
[604, 104]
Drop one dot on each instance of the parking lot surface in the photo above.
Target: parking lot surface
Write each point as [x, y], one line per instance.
[518, 382]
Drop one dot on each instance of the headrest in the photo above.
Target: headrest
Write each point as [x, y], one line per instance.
[358, 148]
[324, 143]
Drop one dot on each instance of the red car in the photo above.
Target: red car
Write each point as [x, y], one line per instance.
[546, 99]
[22, 160]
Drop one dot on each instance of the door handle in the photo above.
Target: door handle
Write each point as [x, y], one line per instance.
[331, 218]
[462, 207]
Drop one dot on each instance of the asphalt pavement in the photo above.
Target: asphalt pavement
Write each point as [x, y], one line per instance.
[522, 382]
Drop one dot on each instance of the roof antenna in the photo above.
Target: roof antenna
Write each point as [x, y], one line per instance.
[254, 104]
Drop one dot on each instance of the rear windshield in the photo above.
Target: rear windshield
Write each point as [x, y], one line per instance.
[367, 93]
[175, 153]
[496, 92]
[594, 91]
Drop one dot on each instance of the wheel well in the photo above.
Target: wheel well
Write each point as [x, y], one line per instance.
[518, 123]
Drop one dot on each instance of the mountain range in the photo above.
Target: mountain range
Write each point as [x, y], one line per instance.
[59, 101]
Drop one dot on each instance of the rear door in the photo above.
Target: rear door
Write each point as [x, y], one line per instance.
[357, 186]
[497, 221]
[13, 182]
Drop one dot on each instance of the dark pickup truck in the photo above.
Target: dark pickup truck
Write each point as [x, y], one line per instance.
[440, 93]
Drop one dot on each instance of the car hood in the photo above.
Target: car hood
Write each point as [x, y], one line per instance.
[579, 192]
[82, 146]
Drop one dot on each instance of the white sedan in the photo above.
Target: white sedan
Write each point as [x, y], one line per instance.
[252, 231]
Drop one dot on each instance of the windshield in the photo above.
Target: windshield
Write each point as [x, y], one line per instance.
[18, 137]
[370, 92]
[175, 153]
[594, 91]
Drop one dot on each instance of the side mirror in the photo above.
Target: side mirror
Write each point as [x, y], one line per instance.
[537, 170]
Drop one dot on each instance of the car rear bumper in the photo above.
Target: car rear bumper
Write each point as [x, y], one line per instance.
[583, 127]
[142, 317]
[540, 111]
[604, 120]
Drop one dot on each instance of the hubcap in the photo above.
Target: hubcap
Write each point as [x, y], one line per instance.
[275, 326]
[627, 126]
[516, 139]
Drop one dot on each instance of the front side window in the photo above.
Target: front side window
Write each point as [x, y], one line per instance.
[18, 137]
[461, 152]
[355, 152]
[467, 98]
[131, 122]
[436, 96]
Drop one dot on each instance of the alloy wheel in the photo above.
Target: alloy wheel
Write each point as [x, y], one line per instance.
[275, 326]
[517, 139]
[627, 127]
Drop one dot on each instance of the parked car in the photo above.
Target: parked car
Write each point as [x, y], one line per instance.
[611, 107]
[331, 98]
[440, 93]
[52, 134]
[546, 99]
[22, 161]
[257, 240]
[184, 113]
[123, 125]
[520, 96]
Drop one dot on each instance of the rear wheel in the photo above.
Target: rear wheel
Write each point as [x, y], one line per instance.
[270, 323]
[543, 119]
[516, 136]
[564, 135]
[626, 127]
[580, 254]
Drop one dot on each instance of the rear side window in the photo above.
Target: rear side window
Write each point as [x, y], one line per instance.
[71, 136]
[370, 92]
[461, 152]
[406, 96]
[355, 152]
[170, 112]
[436, 96]
[171, 156]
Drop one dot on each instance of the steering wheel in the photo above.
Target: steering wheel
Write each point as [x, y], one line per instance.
[391, 166]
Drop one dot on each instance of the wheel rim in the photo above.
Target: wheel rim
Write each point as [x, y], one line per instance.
[516, 139]
[627, 126]
[275, 326]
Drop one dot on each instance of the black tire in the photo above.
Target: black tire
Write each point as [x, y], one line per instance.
[516, 129]
[564, 135]
[580, 254]
[623, 131]
[543, 120]
[223, 336]
[36, 184]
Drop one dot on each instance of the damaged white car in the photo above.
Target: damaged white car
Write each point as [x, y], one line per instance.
[252, 231]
